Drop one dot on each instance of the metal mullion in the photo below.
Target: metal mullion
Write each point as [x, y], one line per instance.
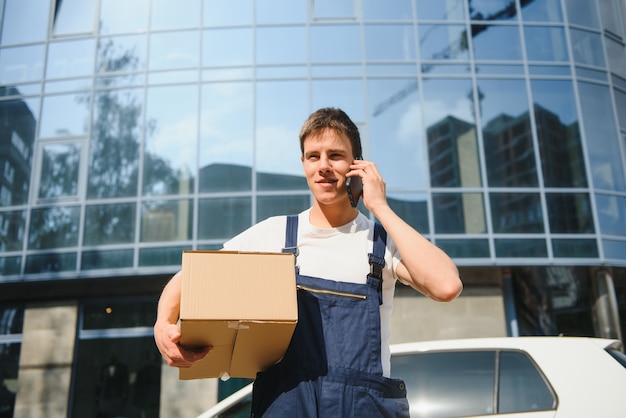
[535, 140]
[581, 125]
[195, 201]
[253, 168]
[479, 141]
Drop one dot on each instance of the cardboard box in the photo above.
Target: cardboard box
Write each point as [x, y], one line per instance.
[242, 304]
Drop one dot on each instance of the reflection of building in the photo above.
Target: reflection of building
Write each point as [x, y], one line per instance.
[560, 144]
[454, 162]
[159, 226]
[17, 136]
[509, 152]
[125, 141]
[231, 177]
[453, 157]
[453, 154]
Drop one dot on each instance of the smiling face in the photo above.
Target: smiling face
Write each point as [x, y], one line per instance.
[326, 160]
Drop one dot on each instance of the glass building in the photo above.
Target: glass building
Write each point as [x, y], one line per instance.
[133, 130]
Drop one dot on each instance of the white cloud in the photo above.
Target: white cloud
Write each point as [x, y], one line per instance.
[278, 150]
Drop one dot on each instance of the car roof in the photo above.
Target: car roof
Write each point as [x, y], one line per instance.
[514, 343]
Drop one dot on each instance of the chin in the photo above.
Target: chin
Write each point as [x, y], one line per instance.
[331, 201]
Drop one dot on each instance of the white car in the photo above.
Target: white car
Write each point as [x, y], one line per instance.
[514, 377]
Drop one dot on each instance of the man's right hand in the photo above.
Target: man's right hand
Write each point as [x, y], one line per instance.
[167, 338]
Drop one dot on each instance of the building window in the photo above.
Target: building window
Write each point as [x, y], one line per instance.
[73, 17]
[333, 9]
[11, 324]
[60, 163]
[118, 367]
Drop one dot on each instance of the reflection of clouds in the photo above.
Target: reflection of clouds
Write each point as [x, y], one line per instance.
[236, 151]
[278, 150]
[176, 142]
[489, 7]
[226, 136]
[408, 166]
[603, 173]
[133, 19]
[437, 110]
[408, 197]
[609, 207]
[398, 147]
[408, 46]
[409, 126]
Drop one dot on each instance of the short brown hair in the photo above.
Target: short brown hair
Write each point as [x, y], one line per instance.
[331, 118]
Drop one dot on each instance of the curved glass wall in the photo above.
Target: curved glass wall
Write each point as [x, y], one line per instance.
[128, 137]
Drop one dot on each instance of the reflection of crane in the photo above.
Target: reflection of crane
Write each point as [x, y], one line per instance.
[452, 50]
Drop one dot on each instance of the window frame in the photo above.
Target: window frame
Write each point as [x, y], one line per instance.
[38, 172]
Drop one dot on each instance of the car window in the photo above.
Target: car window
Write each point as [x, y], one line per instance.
[521, 387]
[463, 383]
[448, 384]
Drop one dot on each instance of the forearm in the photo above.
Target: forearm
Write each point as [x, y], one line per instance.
[424, 266]
[167, 333]
[168, 309]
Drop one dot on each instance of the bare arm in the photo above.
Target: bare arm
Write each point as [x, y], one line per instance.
[167, 333]
[424, 266]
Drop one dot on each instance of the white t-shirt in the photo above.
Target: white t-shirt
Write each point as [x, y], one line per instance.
[339, 254]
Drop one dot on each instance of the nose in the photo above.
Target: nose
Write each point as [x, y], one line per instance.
[324, 164]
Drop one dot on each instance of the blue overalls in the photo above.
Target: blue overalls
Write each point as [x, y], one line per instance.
[333, 367]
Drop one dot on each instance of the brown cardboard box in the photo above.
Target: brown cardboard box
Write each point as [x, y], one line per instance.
[242, 304]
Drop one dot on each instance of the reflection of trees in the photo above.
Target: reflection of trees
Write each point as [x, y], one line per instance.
[159, 177]
[116, 138]
[53, 227]
[115, 151]
[114, 162]
[115, 143]
[60, 164]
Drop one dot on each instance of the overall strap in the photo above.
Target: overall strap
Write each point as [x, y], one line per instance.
[377, 257]
[291, 238]
[291, 235]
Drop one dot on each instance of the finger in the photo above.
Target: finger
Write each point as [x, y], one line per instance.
[193, 354]
[173, 333]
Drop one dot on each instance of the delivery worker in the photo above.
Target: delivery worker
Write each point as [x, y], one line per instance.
[338, 361]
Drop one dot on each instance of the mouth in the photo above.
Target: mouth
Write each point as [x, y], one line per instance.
[326, 181]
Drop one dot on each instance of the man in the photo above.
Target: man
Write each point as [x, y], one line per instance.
[338, 361]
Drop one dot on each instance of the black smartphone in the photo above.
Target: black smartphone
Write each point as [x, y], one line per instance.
[354, 186]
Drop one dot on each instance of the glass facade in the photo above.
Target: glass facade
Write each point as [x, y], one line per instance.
[499, 122]
[134, 130]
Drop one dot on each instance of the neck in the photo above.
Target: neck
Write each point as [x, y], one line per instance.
[331, 216]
